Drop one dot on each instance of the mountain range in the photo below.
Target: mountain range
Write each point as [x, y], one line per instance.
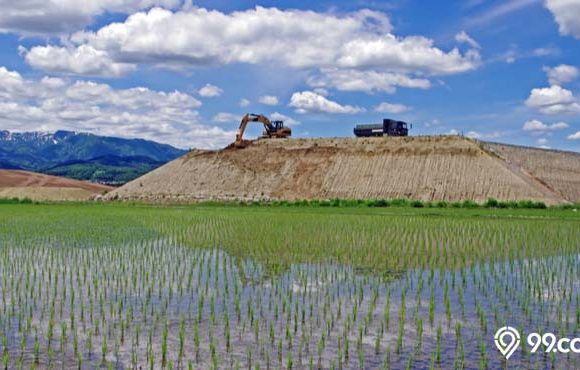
[83, 156]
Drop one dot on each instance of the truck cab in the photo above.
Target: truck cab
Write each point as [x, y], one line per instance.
[395, 128]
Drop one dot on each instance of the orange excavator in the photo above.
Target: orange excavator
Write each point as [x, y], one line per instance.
[272, 129]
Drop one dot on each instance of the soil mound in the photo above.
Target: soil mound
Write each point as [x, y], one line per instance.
[25, 184]
[447, 168]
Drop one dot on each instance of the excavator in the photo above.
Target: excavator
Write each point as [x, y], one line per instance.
[272, 129]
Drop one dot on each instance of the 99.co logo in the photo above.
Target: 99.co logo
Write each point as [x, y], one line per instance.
[553, 344]
[507, 340]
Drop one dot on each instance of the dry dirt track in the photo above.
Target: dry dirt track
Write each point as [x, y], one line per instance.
[429, 168]
[36, 186]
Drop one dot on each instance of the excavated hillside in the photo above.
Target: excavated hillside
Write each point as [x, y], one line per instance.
[447, 168]
[557, 170]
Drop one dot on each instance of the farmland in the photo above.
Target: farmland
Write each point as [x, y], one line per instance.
[40, 187]
[136, 286]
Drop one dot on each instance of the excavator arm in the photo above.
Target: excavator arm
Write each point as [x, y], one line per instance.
[242, 129]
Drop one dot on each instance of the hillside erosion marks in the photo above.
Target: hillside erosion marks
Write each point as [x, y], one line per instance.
[555, 169]
[448, 168]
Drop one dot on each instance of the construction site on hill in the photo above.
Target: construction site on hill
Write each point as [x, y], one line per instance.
[428, 168]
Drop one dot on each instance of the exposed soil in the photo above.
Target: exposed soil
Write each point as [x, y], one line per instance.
[557, 170]
[447, 168]
[25, 184]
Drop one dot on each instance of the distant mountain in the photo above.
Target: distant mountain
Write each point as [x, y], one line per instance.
[83, 156]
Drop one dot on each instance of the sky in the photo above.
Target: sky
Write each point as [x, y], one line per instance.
[184, 72]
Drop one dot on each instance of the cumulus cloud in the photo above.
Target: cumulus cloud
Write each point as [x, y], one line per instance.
[566, 15]
[288, 121]
[290, 38]
[244, 102]
[391, 108]
[542, 52]
[311, 102]
[561, 74]
[539, 126]
[483, 135]
[268, 100]
[41, 17]
[553, 100]
[224, 117]
[465, 38]
[84, 60]
[575, 136]
[210, 91]
[367, 81]
[54, 103]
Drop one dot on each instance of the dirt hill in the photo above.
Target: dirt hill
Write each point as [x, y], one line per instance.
[36, 186]
[429, 168]
[557, 170]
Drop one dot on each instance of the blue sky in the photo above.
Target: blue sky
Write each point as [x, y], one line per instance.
[184, 73]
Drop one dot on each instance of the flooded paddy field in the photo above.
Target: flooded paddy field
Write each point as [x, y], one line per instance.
[133, 287]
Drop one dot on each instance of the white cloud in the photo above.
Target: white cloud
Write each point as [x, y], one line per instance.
[566, 14]
[311, 102]
[210, 91]
[224, 117]
[453, 132]
[464, 37]
[84, 60]
[321, 91]
[542, 141]
[510, 57]
[502, 9]
[542, 52]
[433, 122]
[409, 54]
[561, 74]
[289, 38]
[51, 104]
[288, 121]
[244, 102]
[558, 126]
[553, 100]
[539, 126]
[41, 17]
[575, 136]
[483, 135]
[391, 108]
[367, 81]
[268, 100]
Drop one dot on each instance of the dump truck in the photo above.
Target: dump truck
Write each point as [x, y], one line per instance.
[389, 127]
[272, 129]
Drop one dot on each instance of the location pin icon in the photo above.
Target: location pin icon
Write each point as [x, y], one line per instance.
[507, 340]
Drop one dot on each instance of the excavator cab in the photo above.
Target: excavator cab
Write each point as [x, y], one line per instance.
[278, 125]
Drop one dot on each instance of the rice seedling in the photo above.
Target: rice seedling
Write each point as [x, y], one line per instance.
[202, 288]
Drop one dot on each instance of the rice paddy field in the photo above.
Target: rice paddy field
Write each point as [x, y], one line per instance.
[109, 286]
